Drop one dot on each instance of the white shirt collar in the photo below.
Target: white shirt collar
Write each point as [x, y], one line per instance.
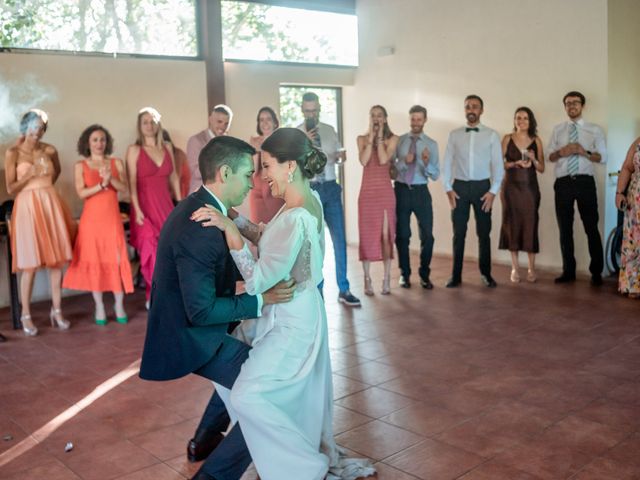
[580, 121]
[223, 209]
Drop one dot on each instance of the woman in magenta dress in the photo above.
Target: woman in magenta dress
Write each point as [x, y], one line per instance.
[152, 177]
[377, 202]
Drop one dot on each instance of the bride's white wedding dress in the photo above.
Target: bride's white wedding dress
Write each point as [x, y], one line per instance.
[283, 397]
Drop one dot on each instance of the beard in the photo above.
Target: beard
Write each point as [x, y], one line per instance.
[472, 118]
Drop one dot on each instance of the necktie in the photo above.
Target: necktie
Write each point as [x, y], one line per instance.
[472, 129]
[411, 168]
[573, 162]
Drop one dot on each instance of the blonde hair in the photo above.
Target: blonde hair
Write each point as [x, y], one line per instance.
[155, 116]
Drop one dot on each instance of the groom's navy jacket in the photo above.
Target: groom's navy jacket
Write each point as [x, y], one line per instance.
[192, 295]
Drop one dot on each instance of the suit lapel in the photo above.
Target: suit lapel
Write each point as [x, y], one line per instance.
[205, 197]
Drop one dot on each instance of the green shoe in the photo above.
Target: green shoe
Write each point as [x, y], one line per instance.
[122, 320]
[101, 321]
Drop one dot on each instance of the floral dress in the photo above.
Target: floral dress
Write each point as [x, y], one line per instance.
[629, 280]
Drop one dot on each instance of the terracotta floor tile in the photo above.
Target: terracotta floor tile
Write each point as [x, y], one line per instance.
[343, 386]
[377, 440]
[606, 468]
[375, 402]
[432, 459]
[371, 373]
[344, 419]
[387, 472]
[545, 460]
[109, 460]
[492, 470]
[424, 419]
[54, 470]
[583, 435]
[168, 442]
[183, 466]
[613, 414]
[155, 472]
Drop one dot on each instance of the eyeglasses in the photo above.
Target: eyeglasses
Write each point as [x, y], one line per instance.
[572, 103]
[315, 110]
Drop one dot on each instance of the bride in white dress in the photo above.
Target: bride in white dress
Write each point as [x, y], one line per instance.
[283, 397]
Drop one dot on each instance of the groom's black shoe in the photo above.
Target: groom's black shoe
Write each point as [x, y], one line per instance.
[200, 475]
[202, 445]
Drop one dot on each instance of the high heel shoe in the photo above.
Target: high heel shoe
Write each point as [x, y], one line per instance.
[531, 276]
[368, 287]
[57, 319]
[28, 327]
[386, 286]
[515, 276]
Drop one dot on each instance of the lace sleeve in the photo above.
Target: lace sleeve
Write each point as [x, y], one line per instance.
[248, 229]
[278, 254]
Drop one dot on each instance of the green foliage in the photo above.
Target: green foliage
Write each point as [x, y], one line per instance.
[291, 102]
[156, 27]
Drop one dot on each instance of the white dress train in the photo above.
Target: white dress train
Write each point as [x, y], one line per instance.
[283, 397]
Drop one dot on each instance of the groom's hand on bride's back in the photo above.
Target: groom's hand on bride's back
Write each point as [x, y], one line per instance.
[281, 292]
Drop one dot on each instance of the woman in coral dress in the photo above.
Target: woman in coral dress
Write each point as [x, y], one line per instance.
[377, 201]
[629, 280]
[100, 260]
[41, 225]
[152, 178]
[263, 206]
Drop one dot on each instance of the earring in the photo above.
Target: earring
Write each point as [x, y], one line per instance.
[290, 177]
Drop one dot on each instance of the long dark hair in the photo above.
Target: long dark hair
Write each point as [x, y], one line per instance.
[83, 141]
[386, 131]
[533, 124]
[287, 144]
[274, 117]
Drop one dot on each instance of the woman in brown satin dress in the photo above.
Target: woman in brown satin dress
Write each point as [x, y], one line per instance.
[523, 159]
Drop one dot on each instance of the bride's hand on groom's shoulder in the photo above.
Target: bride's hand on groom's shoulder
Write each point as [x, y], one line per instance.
[281, 292]
[211, 217]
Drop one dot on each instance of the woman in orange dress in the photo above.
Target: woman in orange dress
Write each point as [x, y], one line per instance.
[41, 224]
[152, 178]
[100, 261]
[263, 206]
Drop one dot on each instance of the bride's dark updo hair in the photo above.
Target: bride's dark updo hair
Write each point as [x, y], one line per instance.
[287, 144]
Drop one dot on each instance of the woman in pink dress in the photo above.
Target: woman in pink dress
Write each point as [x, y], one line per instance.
[152, 177]
[263, 206]
[41, 226]
[377, 202]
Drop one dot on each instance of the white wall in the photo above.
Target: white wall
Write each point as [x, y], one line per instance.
[510, 52]
[624, 91]
[83, 90]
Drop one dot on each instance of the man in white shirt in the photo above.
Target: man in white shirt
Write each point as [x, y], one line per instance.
[575, 147]
[219, 124]
[472, 175]
[325, 138]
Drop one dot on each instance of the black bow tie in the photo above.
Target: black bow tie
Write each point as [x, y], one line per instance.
[471, 129]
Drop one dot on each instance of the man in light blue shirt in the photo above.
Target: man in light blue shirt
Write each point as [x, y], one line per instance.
[417, 162]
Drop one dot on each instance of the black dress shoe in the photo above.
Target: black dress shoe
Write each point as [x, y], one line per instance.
[200, 449]
[2, 338]
[426, 284]
[596, 280]
[200, 475]
[453, 283]
[565, 278]
[488, 281]
[404, 282]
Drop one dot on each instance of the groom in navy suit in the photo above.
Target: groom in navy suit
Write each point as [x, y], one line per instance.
[194, 305]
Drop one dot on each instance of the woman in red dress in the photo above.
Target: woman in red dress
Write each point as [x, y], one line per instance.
[152, 177]
[377, 202]
[100, 260]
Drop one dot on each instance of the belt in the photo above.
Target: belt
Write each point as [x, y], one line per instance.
[575, 177]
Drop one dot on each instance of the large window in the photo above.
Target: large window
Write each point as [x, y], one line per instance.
[149, 27]
[254, 31]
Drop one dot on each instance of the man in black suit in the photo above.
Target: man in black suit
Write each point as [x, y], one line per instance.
[194, 305]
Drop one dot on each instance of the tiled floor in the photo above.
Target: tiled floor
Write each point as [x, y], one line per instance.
[521, 382]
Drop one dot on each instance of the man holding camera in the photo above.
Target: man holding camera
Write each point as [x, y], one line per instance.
[325, 138]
